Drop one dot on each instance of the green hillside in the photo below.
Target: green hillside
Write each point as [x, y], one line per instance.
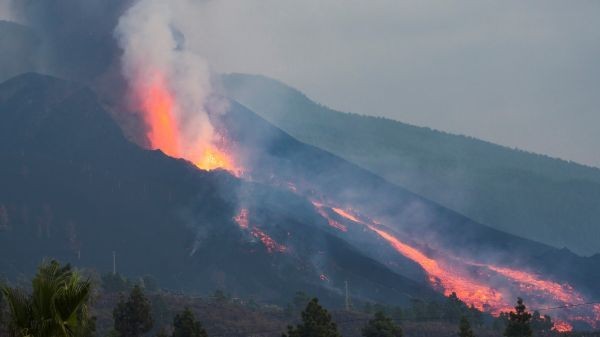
[546, 199]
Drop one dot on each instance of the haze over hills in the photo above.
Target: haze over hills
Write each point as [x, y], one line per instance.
[530, 195]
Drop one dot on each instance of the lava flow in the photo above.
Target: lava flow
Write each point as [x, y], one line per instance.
[330, 221]
[473, 292]
[491, 288]
[242, 219]
[158, 107]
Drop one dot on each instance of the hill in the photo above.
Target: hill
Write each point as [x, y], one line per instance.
[75, 189]
[534, 196]
[300, 218]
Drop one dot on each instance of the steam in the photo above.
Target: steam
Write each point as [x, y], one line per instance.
[6, 10]
[154, 53]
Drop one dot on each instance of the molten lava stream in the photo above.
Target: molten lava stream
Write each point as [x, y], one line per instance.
[468, 290]
[322, 212]
[539, 291]
[242, 219]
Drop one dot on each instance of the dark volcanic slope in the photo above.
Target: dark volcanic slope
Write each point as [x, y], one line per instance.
[73, 188]
[533, 196]
[274, 155]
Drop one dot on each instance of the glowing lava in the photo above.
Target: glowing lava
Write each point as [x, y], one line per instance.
[469, 290]
[330, 221]
[532, 283]
[242, 219]
[562, 326]
[165, 132]
[267, 241]
[486, 286]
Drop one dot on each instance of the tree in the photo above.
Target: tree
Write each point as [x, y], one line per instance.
[454, 308]
[1, 312]
[541, 324]
[316, 322]
[56, 307]
[133, 318]
[464, 328]
[162, 333]
[220, 296]
[114, 283]
[518, 321]
[186, 325]
[381, 326]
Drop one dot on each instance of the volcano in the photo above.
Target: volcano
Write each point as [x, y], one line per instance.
[75, 189]
[299, 218]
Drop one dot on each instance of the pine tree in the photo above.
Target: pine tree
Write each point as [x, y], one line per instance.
[162, 333]
[133, 317]
[186, 325]
[381, 326]
[464, 328]
[518, 321]
[541, 324]
[316, 322]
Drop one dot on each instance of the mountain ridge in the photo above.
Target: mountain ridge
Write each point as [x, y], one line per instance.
[515, 191]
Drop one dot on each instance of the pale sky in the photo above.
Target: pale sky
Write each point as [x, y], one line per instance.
[524, 74]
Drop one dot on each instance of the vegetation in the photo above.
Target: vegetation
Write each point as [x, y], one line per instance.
[464, 328]
[137, 314]
[541, 324]
[133, 317]
[316, 321]
[57, 306]
[186, 325]
[519, 322]
[381, 326]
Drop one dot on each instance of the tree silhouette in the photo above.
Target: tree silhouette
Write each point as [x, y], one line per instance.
[56, 307]
[316, 322]
[133, 317]
[186, 325]
[518, 321]
[541, 324]
[381, 326]
[464, 328]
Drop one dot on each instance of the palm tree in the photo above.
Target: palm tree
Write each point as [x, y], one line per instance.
[56, 307]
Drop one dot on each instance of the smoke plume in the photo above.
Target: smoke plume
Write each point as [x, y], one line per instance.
[168, 83]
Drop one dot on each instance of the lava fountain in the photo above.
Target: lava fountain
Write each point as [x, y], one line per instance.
[170, 86]
[164, 132]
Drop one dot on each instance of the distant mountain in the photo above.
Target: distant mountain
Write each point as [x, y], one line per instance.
[75, 189]
[534, 196]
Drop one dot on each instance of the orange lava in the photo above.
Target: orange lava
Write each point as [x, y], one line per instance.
[267, 241]
[158, 105]
[346, 215]
[562, 326]
[531, 283]
[469, 290]
[330, 221]
[242, 219]
[162, 131]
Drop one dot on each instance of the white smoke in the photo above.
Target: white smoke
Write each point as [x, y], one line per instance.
[151, 34]
[7, 10]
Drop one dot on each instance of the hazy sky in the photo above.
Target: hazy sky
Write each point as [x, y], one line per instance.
[520, 73]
